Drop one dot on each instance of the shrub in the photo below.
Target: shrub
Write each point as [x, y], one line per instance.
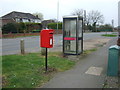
[35, 31]
[105, 27]
[9, 28]
[21, 27]
[54, 25]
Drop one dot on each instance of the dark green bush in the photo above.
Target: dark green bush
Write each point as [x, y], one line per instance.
[35, 31]
[105, 27]
[20, 27]
[9, 28]
[54, 25]
[89, 27]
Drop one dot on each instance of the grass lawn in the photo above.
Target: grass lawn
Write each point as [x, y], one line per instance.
[27, 71]
[109, 35]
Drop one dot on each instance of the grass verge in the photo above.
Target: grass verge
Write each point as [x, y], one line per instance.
[89, 51]
[18, 36]
[27, 71]
[109, 35]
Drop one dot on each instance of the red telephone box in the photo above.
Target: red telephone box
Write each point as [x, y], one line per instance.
[46, 39]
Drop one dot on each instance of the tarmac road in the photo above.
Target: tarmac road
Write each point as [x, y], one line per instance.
[12, 46]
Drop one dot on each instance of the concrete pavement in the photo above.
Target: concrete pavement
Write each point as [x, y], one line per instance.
[89, 72]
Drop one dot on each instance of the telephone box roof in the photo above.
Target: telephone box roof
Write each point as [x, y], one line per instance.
[70, 17]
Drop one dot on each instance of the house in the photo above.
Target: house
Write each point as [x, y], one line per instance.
[46, 22]
[14, 17]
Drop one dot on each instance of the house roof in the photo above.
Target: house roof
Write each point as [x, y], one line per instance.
[15, 14]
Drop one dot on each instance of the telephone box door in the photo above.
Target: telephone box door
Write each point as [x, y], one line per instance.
[72, 35]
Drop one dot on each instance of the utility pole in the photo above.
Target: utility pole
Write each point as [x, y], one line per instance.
[119, 17]
[57, 15]
[112, 24]
[84, 19]
[118, 41]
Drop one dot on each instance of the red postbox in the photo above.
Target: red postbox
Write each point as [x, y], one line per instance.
[46, 38]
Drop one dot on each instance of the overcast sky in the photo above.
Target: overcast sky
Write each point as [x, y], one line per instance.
[109, 8]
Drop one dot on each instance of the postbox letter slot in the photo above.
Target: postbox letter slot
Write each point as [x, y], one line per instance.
[50, 33]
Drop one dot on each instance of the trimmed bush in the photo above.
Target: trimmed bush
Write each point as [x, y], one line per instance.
[105, 28]
[54, 25]
[9, 28]
[35, 31]
[21, 27]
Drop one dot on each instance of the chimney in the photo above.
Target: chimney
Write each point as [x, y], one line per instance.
[37, 16]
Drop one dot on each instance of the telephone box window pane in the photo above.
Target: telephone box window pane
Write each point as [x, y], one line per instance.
[70, 46]
[80, 28]
[70, 28]
[79, 46]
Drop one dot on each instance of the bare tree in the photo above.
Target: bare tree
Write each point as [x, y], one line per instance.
[78, 12]
[39, 15]
[81, 13]
[93, 18]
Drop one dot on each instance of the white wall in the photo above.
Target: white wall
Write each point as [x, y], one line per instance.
[25, 20]
[31, 20]
[37, 21]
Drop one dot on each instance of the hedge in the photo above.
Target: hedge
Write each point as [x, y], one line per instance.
[104, 30]
[54, 25]
[10, 27]
[21, 27]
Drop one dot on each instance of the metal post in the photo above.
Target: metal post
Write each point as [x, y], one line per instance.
[77, 36]
[57, 15]
[112, 24]
[82, 39]
[46, 60]
[22, 46]
[118, 41]
[84, 20]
